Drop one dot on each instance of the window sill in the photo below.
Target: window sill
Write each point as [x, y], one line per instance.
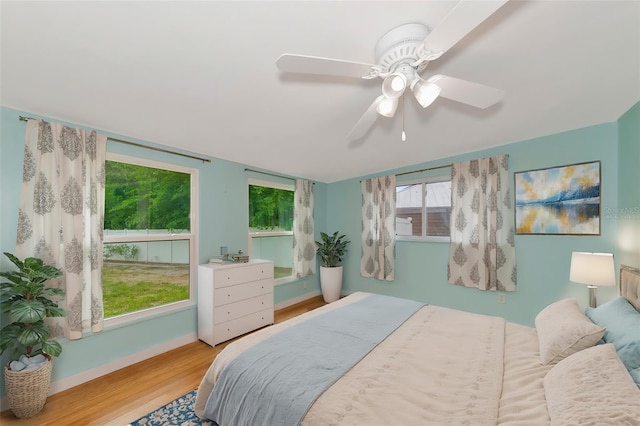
[147, 314]
[287, 280]
[259, 234]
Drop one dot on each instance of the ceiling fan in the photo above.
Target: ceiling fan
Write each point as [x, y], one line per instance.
[401, 55]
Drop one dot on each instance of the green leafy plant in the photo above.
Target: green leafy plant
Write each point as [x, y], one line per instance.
[27, 302]
[331, 249]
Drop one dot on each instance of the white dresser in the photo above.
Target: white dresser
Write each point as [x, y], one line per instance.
[233, 299]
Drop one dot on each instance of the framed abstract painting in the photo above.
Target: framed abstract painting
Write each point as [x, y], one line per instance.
[563, 200]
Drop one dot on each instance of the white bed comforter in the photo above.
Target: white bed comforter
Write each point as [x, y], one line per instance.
[442, 366]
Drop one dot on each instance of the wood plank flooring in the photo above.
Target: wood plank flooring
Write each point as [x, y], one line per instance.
[127, 394]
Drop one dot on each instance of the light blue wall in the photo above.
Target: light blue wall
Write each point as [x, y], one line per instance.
[628, 212]
[223, 218]
[542, 261]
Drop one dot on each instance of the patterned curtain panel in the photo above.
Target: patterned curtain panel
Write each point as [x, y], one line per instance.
[378, 255]
[482, 251]
[304, 246]
[61, 216]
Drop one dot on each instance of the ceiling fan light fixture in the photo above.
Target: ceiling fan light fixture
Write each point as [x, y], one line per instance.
[394, 85]
[387, 106]
[425, 92]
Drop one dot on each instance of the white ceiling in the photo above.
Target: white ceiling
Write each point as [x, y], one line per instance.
[201, 76]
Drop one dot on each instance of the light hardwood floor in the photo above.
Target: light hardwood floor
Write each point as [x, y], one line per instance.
[127, 394]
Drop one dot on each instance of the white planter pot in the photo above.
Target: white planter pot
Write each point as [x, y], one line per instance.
[331, 283]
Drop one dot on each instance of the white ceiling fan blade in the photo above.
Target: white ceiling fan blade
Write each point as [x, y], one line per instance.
[462, 19]
[325, 66]
[474, 94]
[366, 121]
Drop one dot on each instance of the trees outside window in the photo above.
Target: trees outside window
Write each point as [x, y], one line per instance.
[271, 224]
[149, 235]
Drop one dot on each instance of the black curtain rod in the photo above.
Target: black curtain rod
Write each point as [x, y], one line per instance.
[444, 166]
[204, 160]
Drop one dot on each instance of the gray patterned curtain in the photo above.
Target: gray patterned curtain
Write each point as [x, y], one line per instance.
[61, 216]
[378, 237]
[482, 251]
[304, 246]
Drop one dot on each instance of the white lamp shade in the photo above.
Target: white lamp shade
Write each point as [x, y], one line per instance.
[387, 106]
[425, 92]
[592, 269]
[393, 85]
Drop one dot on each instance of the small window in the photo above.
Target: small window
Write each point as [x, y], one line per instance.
[423, 209]
[149, 237]
[271, 225]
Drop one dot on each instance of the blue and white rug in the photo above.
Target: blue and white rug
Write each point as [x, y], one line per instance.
[177, 412]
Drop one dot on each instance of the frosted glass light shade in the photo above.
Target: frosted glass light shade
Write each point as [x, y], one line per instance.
[393, 85]
[425, 92]
[387, 106]
[592, 269]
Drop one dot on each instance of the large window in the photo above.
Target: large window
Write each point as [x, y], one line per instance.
[149, 235]
[271, 224]
[423, 208]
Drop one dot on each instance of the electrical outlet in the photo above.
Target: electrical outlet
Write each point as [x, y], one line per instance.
[502, 298]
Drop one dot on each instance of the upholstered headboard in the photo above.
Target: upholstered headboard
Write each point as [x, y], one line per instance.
[630, 285]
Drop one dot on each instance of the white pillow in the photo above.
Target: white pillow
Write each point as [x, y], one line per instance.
[592, 387]
[563, 329]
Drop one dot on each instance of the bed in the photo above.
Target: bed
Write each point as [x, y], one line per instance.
[409, 363]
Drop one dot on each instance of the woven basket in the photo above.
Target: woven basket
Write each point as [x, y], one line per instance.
[27, 390]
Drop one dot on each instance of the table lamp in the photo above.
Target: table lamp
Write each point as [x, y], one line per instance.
[593, 269]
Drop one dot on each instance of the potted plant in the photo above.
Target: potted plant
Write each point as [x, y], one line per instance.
[26, 336]
[331, 250]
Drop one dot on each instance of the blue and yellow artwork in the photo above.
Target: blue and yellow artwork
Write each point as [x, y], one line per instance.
[559, 200]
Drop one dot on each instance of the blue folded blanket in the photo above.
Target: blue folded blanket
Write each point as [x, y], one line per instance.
[276, 381]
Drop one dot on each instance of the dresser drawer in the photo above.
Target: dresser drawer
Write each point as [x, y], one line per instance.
[231, 276]
[243, 308]
[230, 329]
[233, 299]
[236, 293]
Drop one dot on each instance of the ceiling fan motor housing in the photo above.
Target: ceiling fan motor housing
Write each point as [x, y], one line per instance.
[400, 46]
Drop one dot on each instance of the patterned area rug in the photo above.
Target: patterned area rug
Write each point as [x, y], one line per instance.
[177, 412]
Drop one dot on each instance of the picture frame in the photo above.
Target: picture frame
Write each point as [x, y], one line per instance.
[560, 200]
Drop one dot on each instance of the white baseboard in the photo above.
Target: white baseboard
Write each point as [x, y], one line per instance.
[298, 299]
[85, 376]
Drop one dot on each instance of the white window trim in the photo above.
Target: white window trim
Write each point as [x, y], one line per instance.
[270, 234]
[191, 236]
[425, 239]
[270, 184]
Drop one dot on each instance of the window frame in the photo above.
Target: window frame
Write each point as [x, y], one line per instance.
[192, 237]
[426, 238]
[266, 234]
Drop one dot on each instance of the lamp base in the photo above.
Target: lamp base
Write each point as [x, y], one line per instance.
[592, 296]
